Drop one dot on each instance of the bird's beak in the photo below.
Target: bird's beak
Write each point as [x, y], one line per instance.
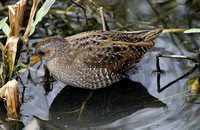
[35, 60]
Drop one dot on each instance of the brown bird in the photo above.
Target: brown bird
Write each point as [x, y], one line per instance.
[94, 59]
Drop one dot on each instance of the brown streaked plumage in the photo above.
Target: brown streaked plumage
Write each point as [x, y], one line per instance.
[95, 59]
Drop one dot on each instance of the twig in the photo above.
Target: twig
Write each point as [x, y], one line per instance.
[84, 11]
[171, 56]
[104, 23]
[102, 18]
[22, 100]
[93, 3]
[176, 80]
[20, 80]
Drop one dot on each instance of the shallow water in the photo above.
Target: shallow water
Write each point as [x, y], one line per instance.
[132, 103]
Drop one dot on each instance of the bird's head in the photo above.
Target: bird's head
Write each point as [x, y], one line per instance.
[47, 49]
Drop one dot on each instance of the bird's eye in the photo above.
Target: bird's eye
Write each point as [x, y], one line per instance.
[41, 53]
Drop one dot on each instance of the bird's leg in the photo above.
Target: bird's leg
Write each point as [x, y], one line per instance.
[84, 11]
[176, 80]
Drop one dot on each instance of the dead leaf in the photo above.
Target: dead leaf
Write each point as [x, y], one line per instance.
[16, 14]
[12, 99]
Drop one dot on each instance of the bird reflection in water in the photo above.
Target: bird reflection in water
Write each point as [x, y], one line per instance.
[104, 106]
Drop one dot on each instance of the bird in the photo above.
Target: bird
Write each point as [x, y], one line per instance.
[94, 59]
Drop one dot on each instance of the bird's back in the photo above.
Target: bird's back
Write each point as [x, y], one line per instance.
[97, 59]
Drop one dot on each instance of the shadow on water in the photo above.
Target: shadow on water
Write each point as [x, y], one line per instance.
[103, 107]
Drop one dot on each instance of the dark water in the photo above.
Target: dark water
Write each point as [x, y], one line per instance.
[131, 103]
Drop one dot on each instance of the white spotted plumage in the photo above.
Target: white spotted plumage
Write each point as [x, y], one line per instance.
[95, 59]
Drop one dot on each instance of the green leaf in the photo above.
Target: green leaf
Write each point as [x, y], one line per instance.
[40, 14]
[6, 29]
[22, 70]
[18, 63]
[2, 22]
[4, 26]
[1, 69]
[194, 30]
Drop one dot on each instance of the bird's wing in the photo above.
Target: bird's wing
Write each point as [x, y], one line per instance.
[117, 51]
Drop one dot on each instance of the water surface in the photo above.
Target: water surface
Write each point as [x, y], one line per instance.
[132, 103]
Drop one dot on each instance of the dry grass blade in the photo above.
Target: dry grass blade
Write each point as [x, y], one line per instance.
[9, 54]
[173, 30]
[16, 13]
[32, 14]
[71, 6]
[1, 47]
